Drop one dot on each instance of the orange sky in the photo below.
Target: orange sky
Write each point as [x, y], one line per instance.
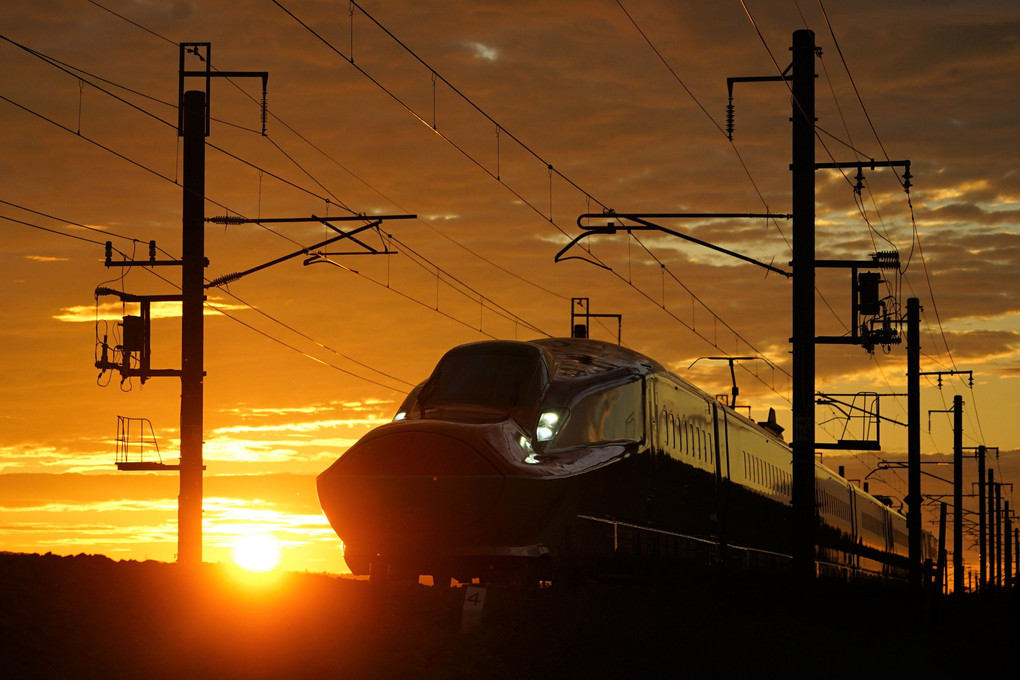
[581, 88]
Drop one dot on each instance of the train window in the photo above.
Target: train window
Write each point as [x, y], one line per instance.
[615, 414]
[495, 377]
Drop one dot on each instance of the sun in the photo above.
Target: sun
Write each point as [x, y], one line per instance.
[257, 552]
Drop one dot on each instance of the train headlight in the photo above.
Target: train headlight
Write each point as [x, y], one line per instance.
[548, 425]
[400, 416]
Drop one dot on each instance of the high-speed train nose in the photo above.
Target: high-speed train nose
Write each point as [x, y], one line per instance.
[410, 487]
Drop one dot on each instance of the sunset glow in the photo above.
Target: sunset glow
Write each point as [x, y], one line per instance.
[257, 552]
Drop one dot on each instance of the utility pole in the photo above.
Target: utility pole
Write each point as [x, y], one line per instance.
[982, 519]
[998, 533]
[958, 494]
[941, 561]
[992, 564]
[189, 503]
[1007, 544]
[914, 441]
[193, 127]
[803, 340]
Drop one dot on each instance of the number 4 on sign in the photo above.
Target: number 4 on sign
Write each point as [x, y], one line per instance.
[474, 603]
[474, 598]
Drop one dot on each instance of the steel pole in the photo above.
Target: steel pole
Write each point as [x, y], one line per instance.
[941, 561]
[992, 565]
[958, 494]
[998, 534]
[189, 504]
[914, 440]
[982, 519]
[803, 199]
[1007, 545]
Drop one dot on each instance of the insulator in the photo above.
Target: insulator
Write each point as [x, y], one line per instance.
[729, 120]
[887, 256]
[225, 279]
[264, 112]
[152, 251]
[228, 219]
[109, 253]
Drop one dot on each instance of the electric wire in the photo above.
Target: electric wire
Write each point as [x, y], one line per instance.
[70, 222]
[373, 20]
[466, 99]
[229, 154]
[711, 118]
[52, 231]
[824, 146]
[292, 347]
[133, 23]
[333, 198]
[733, 145]
[174, 182]
[421, 119]
[916, 236]
[525, 201]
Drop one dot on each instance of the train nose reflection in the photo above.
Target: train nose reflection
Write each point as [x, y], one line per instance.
[411, 490]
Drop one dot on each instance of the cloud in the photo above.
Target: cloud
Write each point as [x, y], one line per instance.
[483, 52]
[303, 426]
[46, 258]
[115, 311]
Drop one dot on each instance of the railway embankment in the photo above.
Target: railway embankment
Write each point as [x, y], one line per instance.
[89, 616]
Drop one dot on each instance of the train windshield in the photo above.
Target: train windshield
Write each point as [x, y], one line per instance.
[484, 381]
[615, 414]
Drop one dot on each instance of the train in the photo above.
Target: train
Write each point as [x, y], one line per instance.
[556, 457]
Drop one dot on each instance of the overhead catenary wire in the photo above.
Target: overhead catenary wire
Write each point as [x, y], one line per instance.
[549, 165]
[296, 349]
[333, 199]
[421, 118]
[231, 155]
[142, 166]
[915, 240]
[972, 412]
[903, 182]
[524, 200]
[97, 4]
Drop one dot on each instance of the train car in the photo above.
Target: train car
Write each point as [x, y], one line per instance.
[558, 456]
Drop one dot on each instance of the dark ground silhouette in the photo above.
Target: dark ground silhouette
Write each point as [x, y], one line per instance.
[88, 616]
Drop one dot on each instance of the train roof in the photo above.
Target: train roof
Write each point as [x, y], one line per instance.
[583, 358]
[580, 359]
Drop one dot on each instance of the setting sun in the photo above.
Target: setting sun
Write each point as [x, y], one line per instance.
[257, 552]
